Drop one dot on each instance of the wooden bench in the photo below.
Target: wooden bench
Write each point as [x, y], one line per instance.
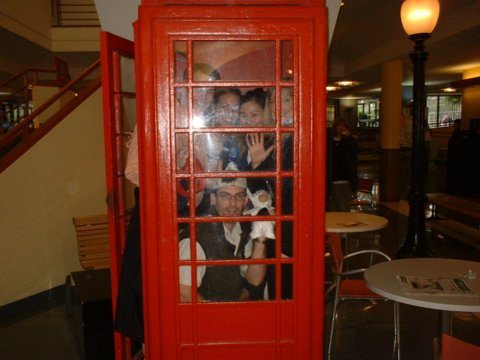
[464, 210]
[93, 241]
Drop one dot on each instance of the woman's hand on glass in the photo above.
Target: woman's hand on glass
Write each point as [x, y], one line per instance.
[256, 148]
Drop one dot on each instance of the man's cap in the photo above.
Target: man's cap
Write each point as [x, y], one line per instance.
[240, 182]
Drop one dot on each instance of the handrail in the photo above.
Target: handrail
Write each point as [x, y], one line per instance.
[59, 68]
[22, 137]
[25, 122]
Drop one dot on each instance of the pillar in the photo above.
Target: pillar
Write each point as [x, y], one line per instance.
[390, 130]
[470, 98]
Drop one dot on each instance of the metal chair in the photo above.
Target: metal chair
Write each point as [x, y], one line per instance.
[355, 289]
[366, 195]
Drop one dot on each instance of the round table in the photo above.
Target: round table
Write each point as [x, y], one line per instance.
[349, 222]
[382, 279]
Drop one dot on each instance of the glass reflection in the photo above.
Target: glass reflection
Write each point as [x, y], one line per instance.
[287, 60]
[287, 196]
[202, 106]
[226, 103]
[287, 152]
[287, 106]
[255, 109]
[180, 61]
[237, 60]
[181, 119]
[257, 195]
[181, 148]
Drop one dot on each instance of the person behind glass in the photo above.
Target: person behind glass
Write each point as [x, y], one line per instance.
[344, 166]
[203, 97]
[226, 109]
[255, 110]
[225, 241]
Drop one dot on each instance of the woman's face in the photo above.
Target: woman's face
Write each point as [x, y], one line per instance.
[227, 110]
[251, 114]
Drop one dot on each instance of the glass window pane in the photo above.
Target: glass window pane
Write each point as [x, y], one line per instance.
[202, 107]
[233, 107]
[227, 283]
[128, 194]
[127, 74]
[181, 150]
[287, 196]
[181, 101]
[287, 239]
[287, 60]
[226, 107]
[180, 61]
[234, 60]
[287, 151]
[255, 107]
[287, 106]
[129, 113]
[230, 240]
[228, 196]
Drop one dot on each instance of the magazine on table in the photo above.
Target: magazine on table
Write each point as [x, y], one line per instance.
[415, 285]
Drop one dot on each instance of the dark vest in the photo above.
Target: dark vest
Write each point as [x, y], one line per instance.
[221, 283]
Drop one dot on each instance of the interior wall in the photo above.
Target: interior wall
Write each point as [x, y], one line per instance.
[62, 176]
[29, 19]
[470, 99]
[40, 94]
[348, 111]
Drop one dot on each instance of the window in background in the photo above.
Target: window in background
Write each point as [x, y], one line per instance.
[443, 110]
[368, 112]
[330, 113]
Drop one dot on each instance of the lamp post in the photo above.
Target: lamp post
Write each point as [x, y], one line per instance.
[419, 18]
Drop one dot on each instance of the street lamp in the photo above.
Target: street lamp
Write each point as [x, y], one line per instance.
[419, 18]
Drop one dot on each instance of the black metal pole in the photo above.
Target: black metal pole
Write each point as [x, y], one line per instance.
[416, 242]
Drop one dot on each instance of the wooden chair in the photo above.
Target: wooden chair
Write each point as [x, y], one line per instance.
[348, 288]
[93, 241]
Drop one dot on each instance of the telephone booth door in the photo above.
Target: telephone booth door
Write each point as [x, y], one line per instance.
[231, 137]
[119, 109]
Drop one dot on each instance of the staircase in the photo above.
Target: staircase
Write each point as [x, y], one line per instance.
[21, 125]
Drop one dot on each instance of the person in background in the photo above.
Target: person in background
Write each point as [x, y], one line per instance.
[129, 312]
[345, 154]
[344, 166]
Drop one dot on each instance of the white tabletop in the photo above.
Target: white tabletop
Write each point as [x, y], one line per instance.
[349, 222]
[382, 279]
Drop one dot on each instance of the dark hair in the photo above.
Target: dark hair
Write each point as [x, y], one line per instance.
[257, 95]
[341, 122]
[219, 92]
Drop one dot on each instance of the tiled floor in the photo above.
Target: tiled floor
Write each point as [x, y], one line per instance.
[44, 334]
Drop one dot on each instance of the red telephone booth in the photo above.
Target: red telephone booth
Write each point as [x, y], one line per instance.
[231, 127]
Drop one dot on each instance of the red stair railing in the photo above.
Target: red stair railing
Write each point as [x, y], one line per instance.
[20, 138]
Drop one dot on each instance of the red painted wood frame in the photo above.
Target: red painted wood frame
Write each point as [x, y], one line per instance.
[276, 329]
[113, 49]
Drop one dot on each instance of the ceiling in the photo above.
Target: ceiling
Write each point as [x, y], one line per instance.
[369, 33]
